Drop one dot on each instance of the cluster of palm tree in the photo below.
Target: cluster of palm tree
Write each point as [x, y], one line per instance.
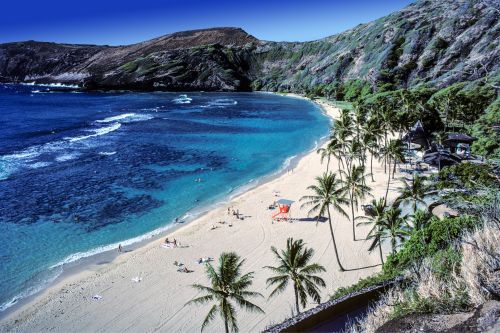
[388, 222]
[358, 135]
[229, 286]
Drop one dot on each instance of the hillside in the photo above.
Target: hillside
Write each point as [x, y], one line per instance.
[438, 41]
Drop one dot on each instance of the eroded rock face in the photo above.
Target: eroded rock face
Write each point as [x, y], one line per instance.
[439, 41]
[485, 318]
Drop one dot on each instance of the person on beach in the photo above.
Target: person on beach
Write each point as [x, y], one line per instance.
[167, 241]
[175, 242]
[120, 249]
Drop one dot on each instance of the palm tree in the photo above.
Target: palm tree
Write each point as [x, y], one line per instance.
[327, 193]
[227, 285]
[375, 219]
[413, 191]
[394, 151]
[385, 116]
[420, 218]
[336, 151]
[372, 136]
[328, 151]
[355, 185]
[354, 151]
[439, 139]
[324, 153]
[342, 130]
[392, 226]
[295, 267]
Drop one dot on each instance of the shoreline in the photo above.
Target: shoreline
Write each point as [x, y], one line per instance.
[32, 313]
[70, 268]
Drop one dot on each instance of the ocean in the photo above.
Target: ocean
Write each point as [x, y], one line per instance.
[81, 172]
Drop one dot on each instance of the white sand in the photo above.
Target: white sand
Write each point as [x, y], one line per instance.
[157, 303]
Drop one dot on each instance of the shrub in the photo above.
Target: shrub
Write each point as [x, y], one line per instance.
[467, 175]
[436, 236]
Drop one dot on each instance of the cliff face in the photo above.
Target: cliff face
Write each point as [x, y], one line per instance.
[440, 41]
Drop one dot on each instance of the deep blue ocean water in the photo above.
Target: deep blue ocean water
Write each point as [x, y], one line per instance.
[81, 172]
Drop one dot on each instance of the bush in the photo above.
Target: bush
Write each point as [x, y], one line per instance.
[467, 175]
[438, 235]
[488, 143]
[362, 283]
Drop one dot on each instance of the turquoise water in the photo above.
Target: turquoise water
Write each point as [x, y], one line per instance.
[81, 172]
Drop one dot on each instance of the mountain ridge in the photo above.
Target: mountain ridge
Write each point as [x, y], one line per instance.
[440, 42]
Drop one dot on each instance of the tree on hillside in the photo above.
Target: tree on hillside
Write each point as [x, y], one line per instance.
[414, 192]
[391, 226]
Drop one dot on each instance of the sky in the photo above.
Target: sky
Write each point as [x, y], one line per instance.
[112, 22]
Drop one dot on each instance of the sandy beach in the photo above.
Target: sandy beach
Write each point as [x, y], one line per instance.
[157, 302]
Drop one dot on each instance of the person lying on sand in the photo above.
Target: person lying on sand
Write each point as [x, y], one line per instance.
[204, 260]
[184, 270]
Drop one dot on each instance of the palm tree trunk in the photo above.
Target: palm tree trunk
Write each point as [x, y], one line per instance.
[388, 182]
[393, 244]
[226, 326]
[371, 167]
[343, 167]
[352, 214]
[296, 298]
[380, 251]
[394, 169]
[333, 239]
[327, 163]
[385, 159]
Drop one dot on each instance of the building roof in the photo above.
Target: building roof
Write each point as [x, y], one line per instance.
[285, 202]
[460, 137]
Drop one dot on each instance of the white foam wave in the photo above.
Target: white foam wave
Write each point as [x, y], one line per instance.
[115, 118]
[66, 157]
[287, 162]
[182, 99]
[107, 153]
[126, 118]
[220, 103]
[32, 290]
[51, 85]
[27, 154]
[37, 165]
[96, 132]
[101, 249]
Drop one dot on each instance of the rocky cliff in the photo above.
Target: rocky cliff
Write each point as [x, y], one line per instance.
[438, 41]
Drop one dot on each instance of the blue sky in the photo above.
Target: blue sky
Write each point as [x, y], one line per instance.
[123, 22]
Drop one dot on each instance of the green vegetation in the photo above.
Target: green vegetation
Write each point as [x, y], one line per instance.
[327, 194]
[467, 176]
[488, 143]
[295, 268]
[420, 242]
[227, 285]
